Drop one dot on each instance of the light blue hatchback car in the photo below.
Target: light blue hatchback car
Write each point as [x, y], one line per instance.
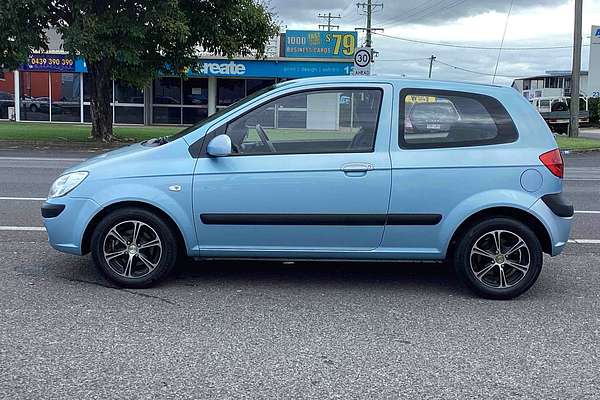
[342, 168]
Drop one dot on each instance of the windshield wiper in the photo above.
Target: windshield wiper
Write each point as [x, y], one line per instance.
[159, 141]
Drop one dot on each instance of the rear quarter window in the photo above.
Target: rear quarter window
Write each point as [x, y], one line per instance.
[439, 118]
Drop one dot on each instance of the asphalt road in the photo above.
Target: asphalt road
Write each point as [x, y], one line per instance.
[308, 330]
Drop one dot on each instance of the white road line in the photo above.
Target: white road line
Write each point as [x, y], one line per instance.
[585, 241]
[586, 212]
[40, 159]
[24, 198]
[23, 228]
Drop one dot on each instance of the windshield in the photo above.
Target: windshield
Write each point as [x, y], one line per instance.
[219, 113]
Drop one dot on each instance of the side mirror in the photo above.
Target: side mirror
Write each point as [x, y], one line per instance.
[219, 146]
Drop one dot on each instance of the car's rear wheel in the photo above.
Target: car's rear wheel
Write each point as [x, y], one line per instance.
[499, 258]
[133, 247]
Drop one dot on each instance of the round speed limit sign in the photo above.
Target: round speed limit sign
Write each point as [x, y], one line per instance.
[362, 57]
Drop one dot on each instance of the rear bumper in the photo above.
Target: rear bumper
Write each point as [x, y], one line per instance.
[559, 205]
[558, 227]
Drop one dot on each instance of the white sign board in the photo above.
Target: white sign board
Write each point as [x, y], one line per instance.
[362, 61]
[594, 68]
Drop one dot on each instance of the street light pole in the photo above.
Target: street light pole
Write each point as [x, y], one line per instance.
[576, 72]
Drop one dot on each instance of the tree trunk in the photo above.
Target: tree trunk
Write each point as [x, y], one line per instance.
[101, 96]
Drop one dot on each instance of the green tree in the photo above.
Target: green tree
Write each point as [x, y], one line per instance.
[594, 107]
[133, 40]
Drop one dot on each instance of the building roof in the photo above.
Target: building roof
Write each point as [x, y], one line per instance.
[552, 74]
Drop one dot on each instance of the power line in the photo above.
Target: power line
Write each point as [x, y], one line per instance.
[410, 10]
[472, 71]
[436, 10]
[460, 46]
[502, 41]
[425, 12]
[404, 59]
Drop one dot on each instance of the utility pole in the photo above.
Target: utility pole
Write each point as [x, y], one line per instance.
[329, 17]
[575, 73]
[368, 8]
[431, 60]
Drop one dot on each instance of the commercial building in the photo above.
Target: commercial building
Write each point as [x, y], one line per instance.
[550, 84]
[558, 83]
[54, 87]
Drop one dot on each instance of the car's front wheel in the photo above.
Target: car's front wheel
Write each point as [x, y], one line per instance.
[133, 247]
[499, 258]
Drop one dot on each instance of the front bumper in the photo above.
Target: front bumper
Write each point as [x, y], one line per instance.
[65, 220]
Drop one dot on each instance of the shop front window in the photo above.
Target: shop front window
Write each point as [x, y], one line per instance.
[129, 104]
[253, 85]
[87, 88]
[35, 96]
[166, 96]
[7, 93]
[65, 97]
[193, 115]
[125, 93]
[229, 91]
[167, 91]
[195, 91]
[166, 115]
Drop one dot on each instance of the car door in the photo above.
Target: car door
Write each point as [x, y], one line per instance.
[310, 173]
[444, 172]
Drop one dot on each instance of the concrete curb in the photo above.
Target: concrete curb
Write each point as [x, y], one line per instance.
[74, 146]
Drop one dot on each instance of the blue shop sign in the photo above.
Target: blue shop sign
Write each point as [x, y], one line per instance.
[47, 62]
[270, 68]
[320, 44]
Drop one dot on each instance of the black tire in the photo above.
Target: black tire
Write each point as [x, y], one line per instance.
[465, 263]
[163, 256]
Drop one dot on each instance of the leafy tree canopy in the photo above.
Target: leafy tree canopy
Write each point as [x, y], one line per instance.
[134, 40]
[137, 38]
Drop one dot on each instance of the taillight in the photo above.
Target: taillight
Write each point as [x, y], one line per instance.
[554, 162]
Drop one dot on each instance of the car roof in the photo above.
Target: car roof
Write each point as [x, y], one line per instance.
[394, 79]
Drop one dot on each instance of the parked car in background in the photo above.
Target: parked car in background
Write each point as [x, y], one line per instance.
[555, 111]
[6, 100]
[36, 104]
[411, 170]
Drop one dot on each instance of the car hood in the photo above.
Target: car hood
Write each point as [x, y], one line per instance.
[108, 157]
[140, 160]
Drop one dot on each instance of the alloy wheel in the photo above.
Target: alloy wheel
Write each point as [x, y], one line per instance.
[132, 249]
[500, 259]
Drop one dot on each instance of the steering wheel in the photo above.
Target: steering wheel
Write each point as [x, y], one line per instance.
[264, 138]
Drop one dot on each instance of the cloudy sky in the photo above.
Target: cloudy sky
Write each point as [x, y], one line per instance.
[532, 23]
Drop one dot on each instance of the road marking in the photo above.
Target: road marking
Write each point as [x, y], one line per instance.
[585, 241]
[40, 159]
[587, 212]
[24, 198]
[23, 228]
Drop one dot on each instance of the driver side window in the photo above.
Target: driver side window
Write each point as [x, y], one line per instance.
[317, 121]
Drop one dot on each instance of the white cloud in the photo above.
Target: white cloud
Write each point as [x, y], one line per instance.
[533, 23]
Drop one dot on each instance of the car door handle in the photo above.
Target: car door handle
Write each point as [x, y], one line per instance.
[357, 167]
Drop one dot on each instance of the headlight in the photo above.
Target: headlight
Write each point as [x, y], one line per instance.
[64, 184]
